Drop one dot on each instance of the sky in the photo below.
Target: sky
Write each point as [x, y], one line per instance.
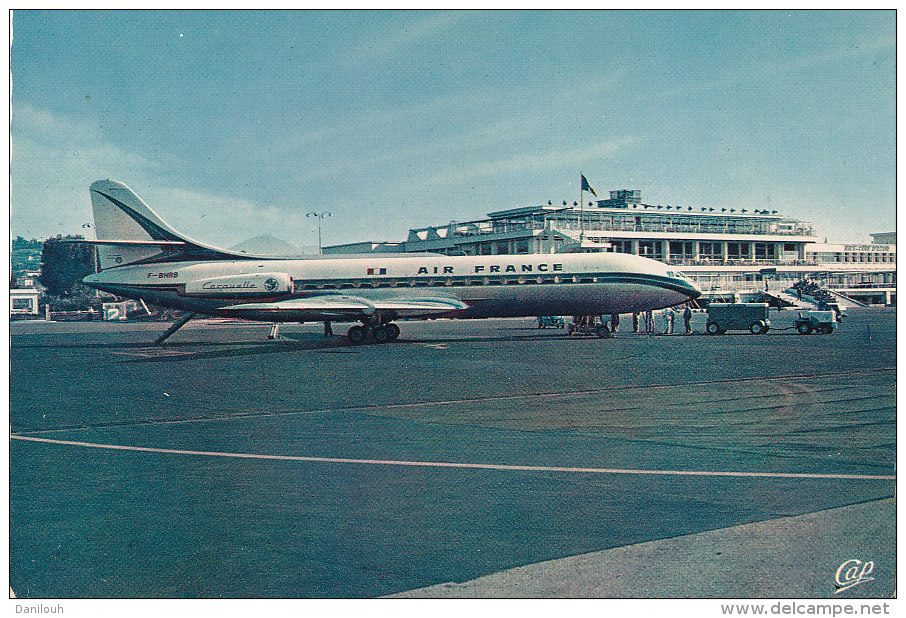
[238, 124]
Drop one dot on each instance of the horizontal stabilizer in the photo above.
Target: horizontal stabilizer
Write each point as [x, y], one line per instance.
[130, 243]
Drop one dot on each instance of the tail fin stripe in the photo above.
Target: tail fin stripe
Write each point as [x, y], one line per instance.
[153, 230]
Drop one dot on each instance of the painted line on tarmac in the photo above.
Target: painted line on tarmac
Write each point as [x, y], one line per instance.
[443, 464]
[150, 352]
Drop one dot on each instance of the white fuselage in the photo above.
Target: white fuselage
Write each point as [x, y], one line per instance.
[500, 285]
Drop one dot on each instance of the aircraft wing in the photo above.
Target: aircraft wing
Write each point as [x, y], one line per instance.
[420, 305]
[344, 307]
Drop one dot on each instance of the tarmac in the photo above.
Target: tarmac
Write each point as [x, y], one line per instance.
[468, 459]
[753, 561]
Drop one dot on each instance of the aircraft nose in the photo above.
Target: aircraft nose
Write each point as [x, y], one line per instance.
[691, 290]
[684, 285]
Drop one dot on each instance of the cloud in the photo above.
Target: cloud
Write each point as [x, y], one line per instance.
[223, 221]
[53, 159]
[480, 139]
[461, 127]
[783, 68]
[541, 160]
[397, 38]
[351, 125]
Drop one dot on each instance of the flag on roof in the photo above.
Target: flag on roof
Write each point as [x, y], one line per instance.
[587, 187]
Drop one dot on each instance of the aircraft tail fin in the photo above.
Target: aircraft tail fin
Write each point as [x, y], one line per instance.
[120, 214]
[128, 231]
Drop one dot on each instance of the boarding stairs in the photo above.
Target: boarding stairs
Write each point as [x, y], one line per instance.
[789, 297]
[845, 301]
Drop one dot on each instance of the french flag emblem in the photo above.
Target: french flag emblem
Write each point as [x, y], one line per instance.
[377, 271]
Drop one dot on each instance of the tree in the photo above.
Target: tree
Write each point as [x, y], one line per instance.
[22, 243]
[64, 265]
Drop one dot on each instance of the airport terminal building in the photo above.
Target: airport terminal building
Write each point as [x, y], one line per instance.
[724, 250]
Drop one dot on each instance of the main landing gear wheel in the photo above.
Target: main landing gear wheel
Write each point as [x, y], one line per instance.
[356, 335]
[393, 331]
[378, 334]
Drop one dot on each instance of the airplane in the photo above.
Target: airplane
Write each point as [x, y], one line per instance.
[141, 257]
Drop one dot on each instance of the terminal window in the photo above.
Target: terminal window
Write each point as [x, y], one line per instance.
[764, 251]
[737, 250]
[709, 250]
[651, 249]
[681, 249]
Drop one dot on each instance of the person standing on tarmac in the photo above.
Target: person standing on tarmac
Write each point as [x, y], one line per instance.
[687, 319]
[614, 322]
[671, 317]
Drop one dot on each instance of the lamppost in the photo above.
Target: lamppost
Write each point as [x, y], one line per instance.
[319, 216]
[95, 257]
